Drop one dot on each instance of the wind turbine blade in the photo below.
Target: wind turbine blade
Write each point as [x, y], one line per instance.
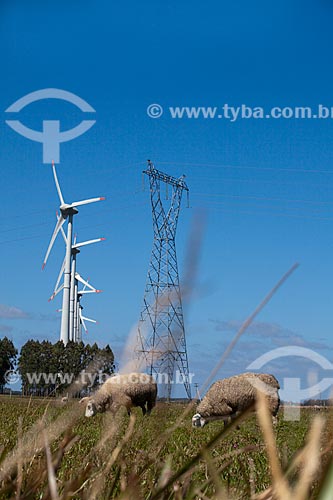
[59, 224]
[85, 202]
[83, 323]
[84, 282]
[55, 293]
[85, 286]
[83, 243]
[56, 288]
[88, 319]
[90, 291]
[62, 230]
[62, 202]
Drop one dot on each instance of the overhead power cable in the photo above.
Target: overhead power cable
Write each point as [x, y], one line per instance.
[237, 211]
[250, 167]
[263, 198]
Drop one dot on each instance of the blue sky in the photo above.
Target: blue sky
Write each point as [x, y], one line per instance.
[265, 185]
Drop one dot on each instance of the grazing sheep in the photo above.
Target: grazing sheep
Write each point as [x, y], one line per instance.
[228, 397]
[129, 390]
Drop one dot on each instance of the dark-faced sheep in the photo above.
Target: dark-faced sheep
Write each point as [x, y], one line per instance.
[228, 397]
[129, 390]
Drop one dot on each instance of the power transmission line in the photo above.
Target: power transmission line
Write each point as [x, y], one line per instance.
[264, 214]
[248, 167]
[264, 198]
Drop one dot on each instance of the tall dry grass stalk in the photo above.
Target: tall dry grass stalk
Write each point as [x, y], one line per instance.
[307, 461]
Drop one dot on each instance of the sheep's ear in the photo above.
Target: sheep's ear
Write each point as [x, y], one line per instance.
[83, 400]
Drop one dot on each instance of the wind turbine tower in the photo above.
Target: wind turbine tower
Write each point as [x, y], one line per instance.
[161, 343]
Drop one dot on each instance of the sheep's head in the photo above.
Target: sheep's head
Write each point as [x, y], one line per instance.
[92, 407]
[198, 421]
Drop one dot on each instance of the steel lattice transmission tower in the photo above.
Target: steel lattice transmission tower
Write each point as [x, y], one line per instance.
[161, 342]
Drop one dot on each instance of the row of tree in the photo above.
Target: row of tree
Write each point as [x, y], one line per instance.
[46, 368]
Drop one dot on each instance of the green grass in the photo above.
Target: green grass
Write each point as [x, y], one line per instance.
[151, 454]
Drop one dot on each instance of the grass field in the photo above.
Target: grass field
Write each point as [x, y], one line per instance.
[53, 451]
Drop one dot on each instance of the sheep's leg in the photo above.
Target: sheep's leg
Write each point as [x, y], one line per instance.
[229, 419]
[143, 408]
[150, 405]
[128, 406]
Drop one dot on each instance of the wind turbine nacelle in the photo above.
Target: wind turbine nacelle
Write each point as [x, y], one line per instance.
[67, 209]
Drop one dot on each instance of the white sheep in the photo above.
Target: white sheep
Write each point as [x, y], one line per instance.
[129, 390]
[228, 397]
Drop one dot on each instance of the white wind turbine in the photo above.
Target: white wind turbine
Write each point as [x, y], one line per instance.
[82, 323]
[79, 319]
[67, 211]
[75, 279]
[77, 315]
